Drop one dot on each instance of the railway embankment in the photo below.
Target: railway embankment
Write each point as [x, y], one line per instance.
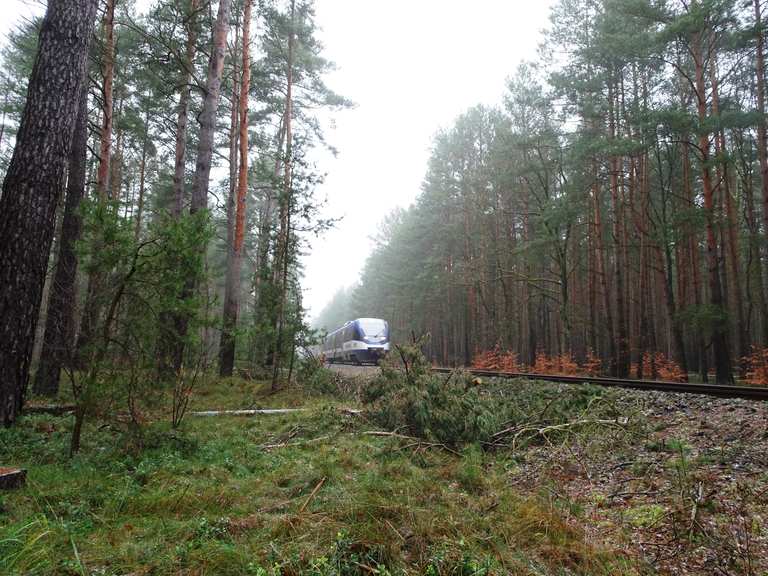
[677, 481]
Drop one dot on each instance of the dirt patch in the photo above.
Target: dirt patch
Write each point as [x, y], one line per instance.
[685, 491]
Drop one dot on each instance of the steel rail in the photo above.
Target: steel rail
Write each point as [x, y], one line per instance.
[720, 390]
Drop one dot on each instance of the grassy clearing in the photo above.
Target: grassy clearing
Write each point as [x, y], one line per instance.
[213, 498]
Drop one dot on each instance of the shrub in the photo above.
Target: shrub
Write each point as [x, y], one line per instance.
[315, 377]
[668, 369]
[459, 408]
[562, 364]
[407, 396]
[757, 367]
[593, 366]
[496, 359]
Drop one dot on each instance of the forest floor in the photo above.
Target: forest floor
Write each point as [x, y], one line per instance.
[679, 485]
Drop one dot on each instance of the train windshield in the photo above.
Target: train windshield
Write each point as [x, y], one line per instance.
[373, 327]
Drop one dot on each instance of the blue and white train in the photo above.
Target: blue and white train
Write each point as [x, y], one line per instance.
[362, 341]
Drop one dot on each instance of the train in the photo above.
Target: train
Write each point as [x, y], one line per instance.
[360, 341]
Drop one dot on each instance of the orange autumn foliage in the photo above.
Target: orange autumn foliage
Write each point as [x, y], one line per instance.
[668, 369]
[657, 366]
[496, 359]
[562, 364]
[757, 367]
[593, 366]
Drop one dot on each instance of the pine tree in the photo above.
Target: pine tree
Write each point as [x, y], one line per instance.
[33, 184]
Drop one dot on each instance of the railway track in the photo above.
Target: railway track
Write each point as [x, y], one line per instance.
[719, 390]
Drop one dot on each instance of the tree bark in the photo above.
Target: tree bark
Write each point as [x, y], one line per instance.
[180, 161]
[108, 71]
[59, 325]
[718, 325]
[232, 288]
[724, 184]
[32, 187]
[142, 177]
[602, 274]
[202, 176]
[761, 125]
[285, 210]
[622, 344]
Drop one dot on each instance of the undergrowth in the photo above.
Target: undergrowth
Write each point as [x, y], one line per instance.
[302, 493]
[459, 408]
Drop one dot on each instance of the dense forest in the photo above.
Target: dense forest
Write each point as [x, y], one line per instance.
[612, 213]
[165, 406]
[158, 191]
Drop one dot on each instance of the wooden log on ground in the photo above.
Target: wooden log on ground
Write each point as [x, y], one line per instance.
[247, 412]
[12, 478]
[54, 410]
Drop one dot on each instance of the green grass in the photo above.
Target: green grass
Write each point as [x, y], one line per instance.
[210, 499]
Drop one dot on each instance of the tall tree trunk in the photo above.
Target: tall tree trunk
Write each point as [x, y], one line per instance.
[602, 274]
[283, 247]
[761, 124]
[678, 342]
[724, 184]
[171, 323]
[754, 265]
[142, 176]
[232, 288]
[93, 309]
[33, 184]
[108, 72]
[262, 273]
[718, 325]
[207, 119]
[180, 157]
[226, 341]
[622, 344]
[202, 176]
[59, 324]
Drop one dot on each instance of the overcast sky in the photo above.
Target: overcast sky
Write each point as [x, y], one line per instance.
[411, 66]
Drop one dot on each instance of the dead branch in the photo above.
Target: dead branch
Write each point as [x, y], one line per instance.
[312, 495]
[300, 443]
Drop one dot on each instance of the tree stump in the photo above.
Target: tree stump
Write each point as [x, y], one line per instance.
[12, 478]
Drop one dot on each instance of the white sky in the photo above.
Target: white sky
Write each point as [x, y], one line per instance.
[411, 66]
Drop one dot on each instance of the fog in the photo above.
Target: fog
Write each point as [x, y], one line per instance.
[411, 67]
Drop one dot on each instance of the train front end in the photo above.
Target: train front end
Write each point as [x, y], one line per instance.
[373, 343]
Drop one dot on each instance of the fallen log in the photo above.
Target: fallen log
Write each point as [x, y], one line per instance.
[54, 410]
[12, 478]
[247, 412]
[347, 411]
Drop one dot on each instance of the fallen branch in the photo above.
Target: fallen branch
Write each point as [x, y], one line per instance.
[416, 442]
[389, 434]
[300, 443]
[255, 412]
[247, 412]
[625, 494]
[543, 431]
[312, 495]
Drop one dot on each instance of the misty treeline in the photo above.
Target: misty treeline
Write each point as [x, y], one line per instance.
[158, 191]
[614, 209]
